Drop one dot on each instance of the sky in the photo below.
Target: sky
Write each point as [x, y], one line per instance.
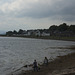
[35, 14]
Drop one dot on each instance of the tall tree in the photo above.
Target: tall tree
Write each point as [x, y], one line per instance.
[14, 32]
[20, 31]
[63, 27]
[53, 28]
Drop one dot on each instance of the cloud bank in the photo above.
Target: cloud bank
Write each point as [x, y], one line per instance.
[19, 11]
[39, 8]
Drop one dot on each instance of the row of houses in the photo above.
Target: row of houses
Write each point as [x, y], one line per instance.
[33, 33]
[40, 33]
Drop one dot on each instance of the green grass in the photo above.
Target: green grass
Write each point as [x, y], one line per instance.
[48, 37]
[53, 38]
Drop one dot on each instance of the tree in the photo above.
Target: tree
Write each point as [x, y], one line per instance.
[14, 32]
[20, 31]
[63, 27]
[72, 28]
[9, 33]
[53, 28]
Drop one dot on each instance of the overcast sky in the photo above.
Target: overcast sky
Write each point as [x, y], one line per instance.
[35, 14]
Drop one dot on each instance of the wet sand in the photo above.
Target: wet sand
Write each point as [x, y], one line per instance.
[62, 65]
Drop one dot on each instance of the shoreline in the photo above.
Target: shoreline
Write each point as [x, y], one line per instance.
[62, 65]
[47, 37]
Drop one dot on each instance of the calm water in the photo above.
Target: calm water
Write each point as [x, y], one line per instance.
[16, 52]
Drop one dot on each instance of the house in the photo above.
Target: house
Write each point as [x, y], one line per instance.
[45, 34]
[30, 32]
[37, 33]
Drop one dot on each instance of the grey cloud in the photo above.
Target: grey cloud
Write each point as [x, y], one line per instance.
[63, 8]
[38, 11]
[44, 9]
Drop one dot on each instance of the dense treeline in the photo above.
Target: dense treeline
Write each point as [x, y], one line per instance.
[54, 30]
[62, 30]
[15, 32]
[62, 27]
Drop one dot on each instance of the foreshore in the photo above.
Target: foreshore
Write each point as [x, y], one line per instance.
[62, 65]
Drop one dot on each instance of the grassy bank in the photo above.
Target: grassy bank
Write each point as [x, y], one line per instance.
[52, 38]
[45, 37]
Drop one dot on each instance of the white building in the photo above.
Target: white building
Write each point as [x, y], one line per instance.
[45, 34]
[37, 33]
